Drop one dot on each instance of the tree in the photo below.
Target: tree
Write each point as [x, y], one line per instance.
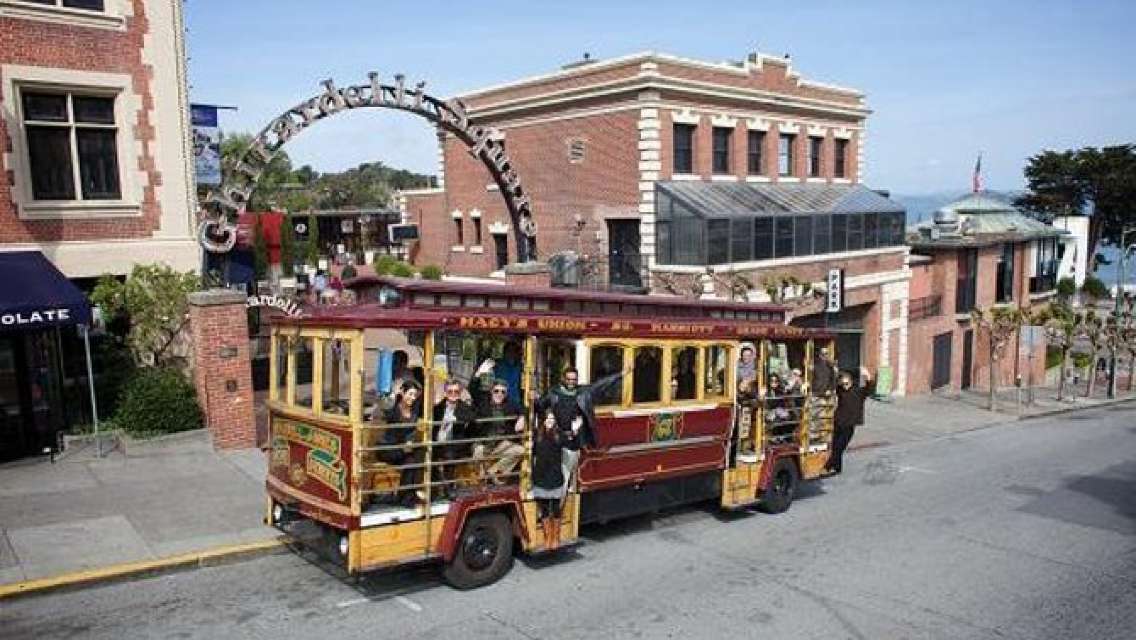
[270, 186]
[287, 245]
[154, 299]
[1061, 331]
[1062, 182]
[1095, 331]
[1000, 324]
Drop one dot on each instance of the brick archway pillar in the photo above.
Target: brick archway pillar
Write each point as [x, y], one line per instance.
[222, 369]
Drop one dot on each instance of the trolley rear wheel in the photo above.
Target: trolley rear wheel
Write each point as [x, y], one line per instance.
[782, 487]
[484, 553]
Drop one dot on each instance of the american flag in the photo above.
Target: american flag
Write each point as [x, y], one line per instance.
[976, 186]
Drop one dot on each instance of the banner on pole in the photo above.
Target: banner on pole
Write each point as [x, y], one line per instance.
[206, 144]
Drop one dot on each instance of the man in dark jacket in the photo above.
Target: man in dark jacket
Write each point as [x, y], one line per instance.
[849, 413]
[453, 419]
[573, 407]
[499, 417]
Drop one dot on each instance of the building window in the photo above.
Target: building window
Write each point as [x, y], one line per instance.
[72, 146]
[501, 250]
[1045, 266]
[855, 232]
[803, 236]
[755, 143]
[783, 241]
[785, 154]
[476, 231]
[721, 148]
[822, 234]
[460, 232]
[741, 239]
[839, 158]
[967, 281]
[815, 146]
[762, 238]
[684, 148]
[90, 5]
[1005, 288]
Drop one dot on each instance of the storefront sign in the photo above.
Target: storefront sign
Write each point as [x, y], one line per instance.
[276, 302]
[217, 231]
[45, 317]
[206, 144]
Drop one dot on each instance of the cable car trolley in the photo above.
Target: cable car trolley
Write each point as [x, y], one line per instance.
[437, 421]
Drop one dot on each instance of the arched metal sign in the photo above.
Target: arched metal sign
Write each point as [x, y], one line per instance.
[218, 231]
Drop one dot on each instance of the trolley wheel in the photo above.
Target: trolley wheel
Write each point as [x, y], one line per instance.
[484, 554]
[778, 494]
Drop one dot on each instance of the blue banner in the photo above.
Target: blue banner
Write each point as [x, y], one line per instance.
[206, 143]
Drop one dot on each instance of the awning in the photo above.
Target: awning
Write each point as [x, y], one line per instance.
[35, 295]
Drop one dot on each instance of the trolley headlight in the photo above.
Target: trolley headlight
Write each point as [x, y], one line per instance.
[277, 513]
[343, 547]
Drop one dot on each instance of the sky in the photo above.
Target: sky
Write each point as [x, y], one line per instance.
[945, 80]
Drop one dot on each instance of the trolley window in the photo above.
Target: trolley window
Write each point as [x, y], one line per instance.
[606, 360]
[336, 389]
[717, 359]
[647, 376]
[684, 373]
[305, 349]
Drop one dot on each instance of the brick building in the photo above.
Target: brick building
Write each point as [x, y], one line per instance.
[979, 253]
[95, 130]
[96, 177]
[656, 167]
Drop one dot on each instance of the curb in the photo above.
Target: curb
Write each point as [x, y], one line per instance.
[1071, 409]
[207, 558]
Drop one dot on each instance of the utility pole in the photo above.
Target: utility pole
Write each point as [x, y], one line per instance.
[1116, 307]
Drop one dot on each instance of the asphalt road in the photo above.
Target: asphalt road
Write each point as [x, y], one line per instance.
[1020, 531]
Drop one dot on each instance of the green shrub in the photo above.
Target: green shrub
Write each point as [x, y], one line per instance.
[1082, 360]
[1052, 357]
[1094, 288]
[158, 401]
[431, 272]
[383, 265]
[402, 270]
[1066, 287]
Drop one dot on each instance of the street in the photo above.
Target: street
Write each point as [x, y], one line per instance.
[1025, 530]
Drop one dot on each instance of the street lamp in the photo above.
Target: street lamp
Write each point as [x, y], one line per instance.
[1124, 249]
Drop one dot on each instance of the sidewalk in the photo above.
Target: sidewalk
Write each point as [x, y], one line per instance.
[161, 498]
[931, 415]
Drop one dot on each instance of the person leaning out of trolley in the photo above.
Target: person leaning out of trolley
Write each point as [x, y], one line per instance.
[549, 482]
[849, 413]
[573, 408]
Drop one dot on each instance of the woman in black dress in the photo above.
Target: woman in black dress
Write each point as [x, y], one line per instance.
[548, 478]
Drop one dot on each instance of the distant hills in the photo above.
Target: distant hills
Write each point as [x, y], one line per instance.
[920, 207]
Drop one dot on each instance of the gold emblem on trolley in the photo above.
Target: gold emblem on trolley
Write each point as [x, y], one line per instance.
[665, 426]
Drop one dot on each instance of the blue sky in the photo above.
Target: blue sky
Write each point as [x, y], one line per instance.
[945, 80]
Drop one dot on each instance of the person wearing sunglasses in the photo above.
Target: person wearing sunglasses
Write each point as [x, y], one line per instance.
[499, 417]
[453, 419]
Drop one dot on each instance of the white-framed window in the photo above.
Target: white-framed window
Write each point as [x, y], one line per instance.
[72, 144]
[87, 5]
[99, 14]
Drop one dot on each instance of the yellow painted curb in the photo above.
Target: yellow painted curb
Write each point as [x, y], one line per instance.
[199, 558]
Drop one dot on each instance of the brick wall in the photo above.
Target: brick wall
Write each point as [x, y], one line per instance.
[222, 372]
[47, 44]
[603, 185]
[940, 278]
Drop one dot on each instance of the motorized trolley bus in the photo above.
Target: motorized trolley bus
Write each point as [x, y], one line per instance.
[689, 419]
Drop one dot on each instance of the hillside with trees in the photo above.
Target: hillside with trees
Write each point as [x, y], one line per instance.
[282, 186]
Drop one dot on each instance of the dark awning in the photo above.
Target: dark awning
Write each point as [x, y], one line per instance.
[35, 295]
